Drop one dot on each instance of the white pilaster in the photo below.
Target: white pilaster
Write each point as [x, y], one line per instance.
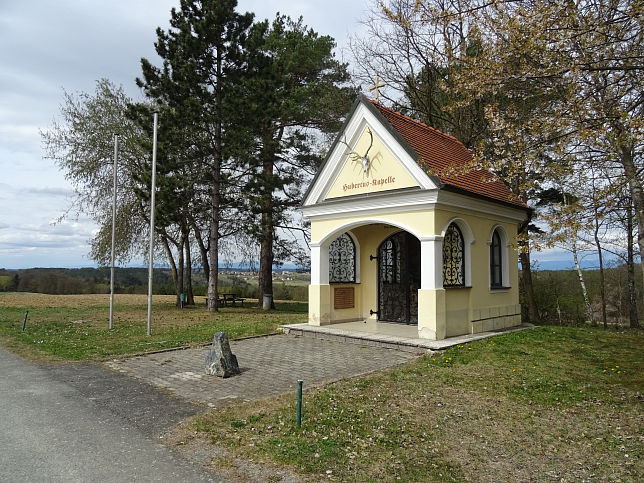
[431, 262]
[319, 264]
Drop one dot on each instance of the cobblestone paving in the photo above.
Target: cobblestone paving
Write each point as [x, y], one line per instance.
[270, 366]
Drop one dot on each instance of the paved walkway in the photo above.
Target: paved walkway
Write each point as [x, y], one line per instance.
[270, 366]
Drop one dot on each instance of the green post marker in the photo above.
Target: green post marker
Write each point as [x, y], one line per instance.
[24, 323]
[299, 403]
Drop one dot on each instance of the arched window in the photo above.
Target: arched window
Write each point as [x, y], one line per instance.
[453, 257]
[496, 261]
[342, 260]
[499, 258]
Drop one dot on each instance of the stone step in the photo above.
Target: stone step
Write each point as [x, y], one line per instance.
[375, 339]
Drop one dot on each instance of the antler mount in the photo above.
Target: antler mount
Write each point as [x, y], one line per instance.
[363, 159]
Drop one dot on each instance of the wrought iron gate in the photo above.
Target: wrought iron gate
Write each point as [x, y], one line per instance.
[399, 278]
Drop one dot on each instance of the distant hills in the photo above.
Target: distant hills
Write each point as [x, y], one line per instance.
[97, 280]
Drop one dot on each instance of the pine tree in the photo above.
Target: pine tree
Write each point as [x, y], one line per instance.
[293, 92]
[202, 64]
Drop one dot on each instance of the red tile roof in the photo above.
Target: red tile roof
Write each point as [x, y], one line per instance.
[446, 157]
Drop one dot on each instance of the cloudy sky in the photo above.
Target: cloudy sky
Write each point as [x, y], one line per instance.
[46, 46]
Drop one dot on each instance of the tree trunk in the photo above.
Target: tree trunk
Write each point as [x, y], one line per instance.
[602, 283]
[266, 260]
[637, 200]
[180, 270]
[555, 287]
[190, 297]
[265, 279]
[528, 288]
[203, 250]
[589, 310]
[630, 269]
[173, 265]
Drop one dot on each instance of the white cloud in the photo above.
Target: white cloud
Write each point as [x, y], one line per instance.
[65, 192]
[47, 46]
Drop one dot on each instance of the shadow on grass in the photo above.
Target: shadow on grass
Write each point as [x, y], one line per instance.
[292, 307]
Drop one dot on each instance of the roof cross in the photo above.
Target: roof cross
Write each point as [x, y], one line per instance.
[376, 86]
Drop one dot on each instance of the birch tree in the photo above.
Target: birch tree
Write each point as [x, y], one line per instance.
[81, 142]
[586, 59]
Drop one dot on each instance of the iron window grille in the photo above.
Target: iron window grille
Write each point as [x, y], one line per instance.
[390, 262]
[342, 260]
[453, 257]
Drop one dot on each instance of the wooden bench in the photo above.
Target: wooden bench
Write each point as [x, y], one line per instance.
[225, 299]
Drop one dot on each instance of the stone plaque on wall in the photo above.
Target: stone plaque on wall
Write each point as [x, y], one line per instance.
[343, 298]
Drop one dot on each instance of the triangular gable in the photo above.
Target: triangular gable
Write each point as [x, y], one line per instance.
[393, 163]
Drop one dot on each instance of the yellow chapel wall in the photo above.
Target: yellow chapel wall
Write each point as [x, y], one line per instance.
[480, 308]
[468, 310]
[369, 236]
[348, 314]
[417, 222]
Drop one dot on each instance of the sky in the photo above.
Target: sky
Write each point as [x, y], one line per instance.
[46, 46]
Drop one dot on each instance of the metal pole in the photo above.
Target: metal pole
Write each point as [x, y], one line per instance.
[298, 420]
[24, 323]
[152, 193]
[116, 147]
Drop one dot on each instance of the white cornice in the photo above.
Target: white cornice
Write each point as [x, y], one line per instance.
[416, 200]
[395, 202]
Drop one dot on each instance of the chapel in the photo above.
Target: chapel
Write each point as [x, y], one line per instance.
[404, 230]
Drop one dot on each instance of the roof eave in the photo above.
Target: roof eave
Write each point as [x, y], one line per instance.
[355, 105]
[455, 189]
[397, 136]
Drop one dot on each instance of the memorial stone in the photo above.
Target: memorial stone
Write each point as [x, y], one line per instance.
[220, 361]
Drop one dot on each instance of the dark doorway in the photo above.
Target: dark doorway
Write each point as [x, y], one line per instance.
[399, 278]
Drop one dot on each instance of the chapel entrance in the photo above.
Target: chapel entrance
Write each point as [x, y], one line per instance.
[399, 278]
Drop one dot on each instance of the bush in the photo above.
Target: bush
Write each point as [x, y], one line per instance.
[560, 300]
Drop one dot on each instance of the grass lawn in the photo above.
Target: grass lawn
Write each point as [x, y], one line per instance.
[546, 404]
[74, 327]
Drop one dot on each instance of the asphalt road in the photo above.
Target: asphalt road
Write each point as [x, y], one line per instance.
[63, 423]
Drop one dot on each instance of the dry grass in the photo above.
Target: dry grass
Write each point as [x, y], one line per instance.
[75, 327]
[31, 300]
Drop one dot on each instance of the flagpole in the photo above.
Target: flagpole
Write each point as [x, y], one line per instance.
[116, 147]
[152, 193]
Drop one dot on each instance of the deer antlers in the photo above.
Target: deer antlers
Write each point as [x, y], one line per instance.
[364, 159]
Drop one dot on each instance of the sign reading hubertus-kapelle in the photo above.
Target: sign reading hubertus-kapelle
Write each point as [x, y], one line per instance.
[374, 183]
